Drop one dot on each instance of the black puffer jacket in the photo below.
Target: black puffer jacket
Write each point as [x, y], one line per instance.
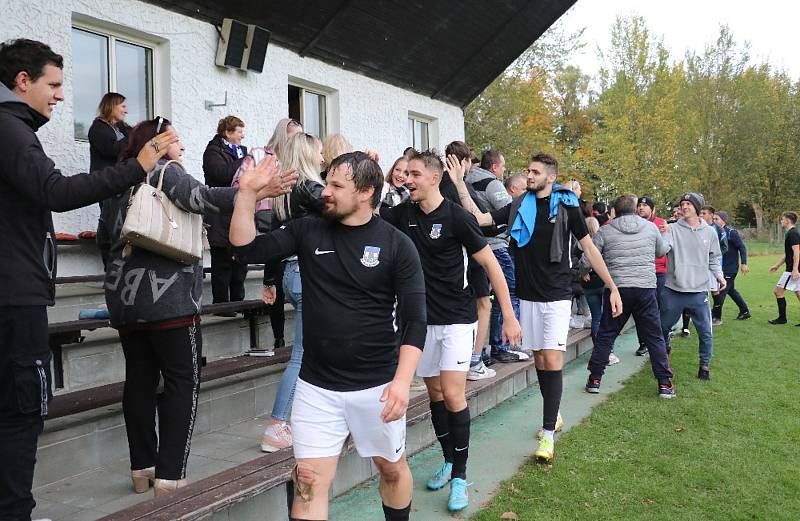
[30, 188]
[219, 167]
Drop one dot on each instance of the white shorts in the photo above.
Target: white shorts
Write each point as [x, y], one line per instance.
[787, 283]
[545, 325]
[322, 419]
[447, 348]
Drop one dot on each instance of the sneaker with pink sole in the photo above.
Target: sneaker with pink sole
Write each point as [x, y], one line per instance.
[277, 435]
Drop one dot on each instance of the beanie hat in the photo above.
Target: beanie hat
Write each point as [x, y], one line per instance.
[648, 201]
[723, 215]
[696, 199]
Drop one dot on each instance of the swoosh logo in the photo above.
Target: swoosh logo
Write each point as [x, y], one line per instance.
[323, 252]
[464, 362]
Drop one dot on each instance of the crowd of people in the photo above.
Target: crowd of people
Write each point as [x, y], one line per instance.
[434, 268]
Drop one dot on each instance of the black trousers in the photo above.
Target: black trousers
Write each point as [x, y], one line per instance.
[227, 276]
[173, 354]
[24, 395]
[730, 289]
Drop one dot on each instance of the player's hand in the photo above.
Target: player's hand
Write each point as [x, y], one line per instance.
[372, 154]
[745, 268]
[395, 396]
[722, 283]
[773, 269]
[616, 303]
[269, 294]
[795, 275]
[512, 332]
[587, 278]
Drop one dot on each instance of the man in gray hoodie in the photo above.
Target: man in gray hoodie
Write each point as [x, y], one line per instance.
[693, 251]
[630, 246]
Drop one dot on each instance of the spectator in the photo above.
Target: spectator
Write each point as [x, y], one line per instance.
[677, 213]
[108, 137]
[600, 212]
[694, 251]
[303, 153]
[516, 185]
[730, 268]
[222, 158]
[629, 246]
[286, 128]
[333, 146]
[593, 285]
[790, 280]
[395, 189]
[158, 324]
[493, 161]
[646, 209]
[31, 79]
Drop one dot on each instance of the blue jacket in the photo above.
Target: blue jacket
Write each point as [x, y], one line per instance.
[736, 248]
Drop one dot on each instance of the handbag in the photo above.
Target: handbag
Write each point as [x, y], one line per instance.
[156, 224]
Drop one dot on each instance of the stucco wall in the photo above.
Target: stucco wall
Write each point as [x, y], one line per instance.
[371, 114]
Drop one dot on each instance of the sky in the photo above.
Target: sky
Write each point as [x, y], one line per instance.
[770, 26]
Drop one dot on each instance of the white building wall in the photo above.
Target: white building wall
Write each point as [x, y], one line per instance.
[370, 113]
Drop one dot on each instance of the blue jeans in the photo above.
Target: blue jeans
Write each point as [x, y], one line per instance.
[696, 304]
[293, 289]
[594, 297]
[496, 316]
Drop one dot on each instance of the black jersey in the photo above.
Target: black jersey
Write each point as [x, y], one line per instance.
[445, 239]
[537, 278]
[792, 239]
[352, 278]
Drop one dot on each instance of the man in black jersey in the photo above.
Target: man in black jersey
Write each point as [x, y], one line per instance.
[543, 224]
[357, 367]
[790, 280]
[446, 236]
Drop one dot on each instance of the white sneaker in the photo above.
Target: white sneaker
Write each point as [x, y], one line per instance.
[613, 359]
[521, 354]
[480, 372]
[277, 435]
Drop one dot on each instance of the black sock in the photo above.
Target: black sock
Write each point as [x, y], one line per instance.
[551, 384]
[685, 320]
[781, 308]
[441, 426]
[459, 433]
[396, 514]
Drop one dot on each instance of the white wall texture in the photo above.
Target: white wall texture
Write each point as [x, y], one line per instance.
[371, 114]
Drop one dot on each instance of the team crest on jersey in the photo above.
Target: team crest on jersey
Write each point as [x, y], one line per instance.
[436, 231]
[370, 257]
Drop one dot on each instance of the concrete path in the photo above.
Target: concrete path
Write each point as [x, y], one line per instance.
[501, 440]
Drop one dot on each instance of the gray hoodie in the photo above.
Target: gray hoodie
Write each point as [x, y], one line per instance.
[630, 246]
[490, 194]
[693, 253]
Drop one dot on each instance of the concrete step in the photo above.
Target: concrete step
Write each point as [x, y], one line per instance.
[256, 488]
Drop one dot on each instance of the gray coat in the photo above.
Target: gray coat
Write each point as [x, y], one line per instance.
[630, 246]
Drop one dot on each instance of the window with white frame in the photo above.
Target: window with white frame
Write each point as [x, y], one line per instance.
[106, 62]
[419, 133]
[310, 108]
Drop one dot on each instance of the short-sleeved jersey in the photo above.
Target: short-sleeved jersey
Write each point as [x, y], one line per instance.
[538, 279]
[792, 239]
[445, 239]
[352, 278]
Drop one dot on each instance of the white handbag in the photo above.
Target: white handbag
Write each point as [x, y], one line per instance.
[155, 223]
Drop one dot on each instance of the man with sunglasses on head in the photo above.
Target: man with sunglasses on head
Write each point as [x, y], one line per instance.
[31, 83]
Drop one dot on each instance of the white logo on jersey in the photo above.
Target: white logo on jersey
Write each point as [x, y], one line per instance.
[323, 252]
[370, 258]
[436, 231]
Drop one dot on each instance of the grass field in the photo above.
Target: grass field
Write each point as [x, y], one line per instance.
[723, 450]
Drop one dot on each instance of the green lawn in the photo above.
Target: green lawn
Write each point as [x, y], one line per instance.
[725, 449]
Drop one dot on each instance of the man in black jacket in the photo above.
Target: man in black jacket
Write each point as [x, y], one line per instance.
[730, 268]
[31, 79]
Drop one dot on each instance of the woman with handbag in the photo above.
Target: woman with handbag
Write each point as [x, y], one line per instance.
[303, 152]
[153, 291]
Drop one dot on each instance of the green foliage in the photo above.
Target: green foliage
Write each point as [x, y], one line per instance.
[713, 122]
